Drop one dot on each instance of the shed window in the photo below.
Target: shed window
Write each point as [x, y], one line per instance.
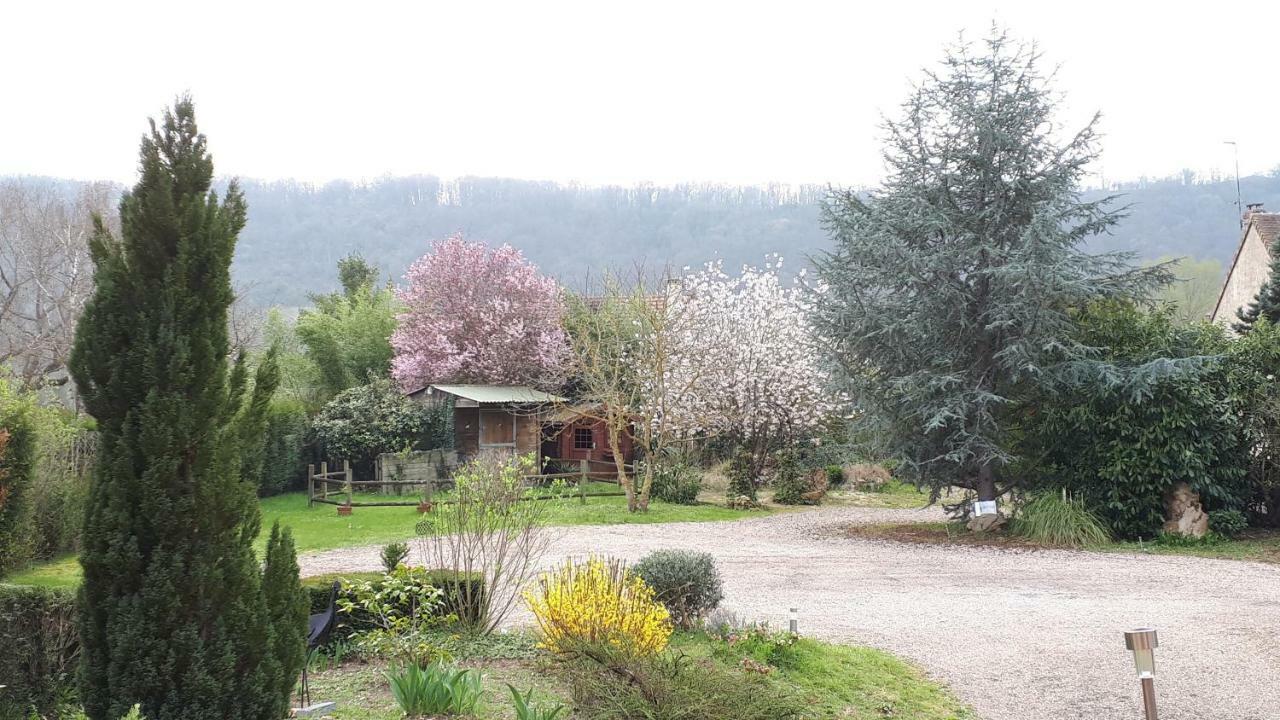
[583, 439]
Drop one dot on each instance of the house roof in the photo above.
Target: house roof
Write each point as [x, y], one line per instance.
[497, 394]
[1268, 226]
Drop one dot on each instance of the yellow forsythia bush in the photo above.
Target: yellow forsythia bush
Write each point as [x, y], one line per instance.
[599, 602]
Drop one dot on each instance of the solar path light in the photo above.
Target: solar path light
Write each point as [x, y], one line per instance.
[1143, 643]
[793, 623]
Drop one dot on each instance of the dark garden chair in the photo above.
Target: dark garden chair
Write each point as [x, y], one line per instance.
[319, 626]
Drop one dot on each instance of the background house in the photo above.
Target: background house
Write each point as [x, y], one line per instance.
[493, 418]
[575, 433]
[1250, 266]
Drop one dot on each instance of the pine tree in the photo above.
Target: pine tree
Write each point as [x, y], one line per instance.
[172, 610]
[1267, 302]
[950, 287]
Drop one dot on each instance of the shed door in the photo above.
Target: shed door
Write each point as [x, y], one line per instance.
[497, 430]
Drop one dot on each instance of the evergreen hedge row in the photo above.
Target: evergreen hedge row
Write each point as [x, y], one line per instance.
[40, 649]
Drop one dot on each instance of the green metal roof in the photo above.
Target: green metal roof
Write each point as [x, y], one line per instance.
[499, 394]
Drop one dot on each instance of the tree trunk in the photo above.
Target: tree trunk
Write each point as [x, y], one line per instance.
[986, 483]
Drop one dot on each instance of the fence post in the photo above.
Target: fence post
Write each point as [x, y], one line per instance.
[311, 484]
[346, 469]
[582, 481]
[324, 479]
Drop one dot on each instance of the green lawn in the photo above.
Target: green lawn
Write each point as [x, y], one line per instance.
[321, 528]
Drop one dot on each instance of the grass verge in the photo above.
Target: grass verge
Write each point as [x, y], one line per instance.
[1254, 545]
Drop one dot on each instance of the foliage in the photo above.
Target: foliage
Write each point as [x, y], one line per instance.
[610, 685]
[17, 462]
[675, 481]
[41, 648]
[743, 476]
[170, 578]
[357, 620]
[286, 609]
[746, 362]
[393, 554]
[948, 294]
[790, 481]
[835, 475]
[348, 336]
[494, 530]
[599, 603]
[1266, 303]
[527, 709]
[772, 648]
[1228, 523]
[1166, 417]
[434, 690]
[402, 606]
[360, 423]
[1053, 519]
[1252, 363]
[285, 437]
[478, 315]
[687, 583]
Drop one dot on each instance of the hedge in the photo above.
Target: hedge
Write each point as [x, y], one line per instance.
[40, 649]
[318, 587]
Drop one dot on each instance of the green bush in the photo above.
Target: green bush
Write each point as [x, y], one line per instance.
[790, 481]
[1160, 412]
[282, 466]
[687, 583]
[1228, 523]
[742, 478]
[349, 624]
[1053, 520]
[360, 423]
[40, 649]
[393, 554]
[434, 690]
[17, 458]
[835, 475]
[607, 685]
[676, 482]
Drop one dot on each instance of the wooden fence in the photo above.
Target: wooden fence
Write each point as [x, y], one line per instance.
[326, 485]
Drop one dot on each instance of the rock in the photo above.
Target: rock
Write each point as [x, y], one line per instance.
[987, 523]
[1183, 513]
[742, 502]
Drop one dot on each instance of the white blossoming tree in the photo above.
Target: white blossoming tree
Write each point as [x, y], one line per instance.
[745, 361]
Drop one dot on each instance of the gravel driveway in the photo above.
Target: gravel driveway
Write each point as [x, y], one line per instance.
[1017, 634]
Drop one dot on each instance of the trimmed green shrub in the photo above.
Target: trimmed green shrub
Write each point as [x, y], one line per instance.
[676, 482]
[1053, 520]
[282, 465]
[40, 649]
[360, 423]
[687, 583]
[1228, 523]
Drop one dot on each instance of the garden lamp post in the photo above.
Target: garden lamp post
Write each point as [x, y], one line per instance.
[1143, 643]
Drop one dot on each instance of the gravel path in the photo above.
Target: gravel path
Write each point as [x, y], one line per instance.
[1016, 634]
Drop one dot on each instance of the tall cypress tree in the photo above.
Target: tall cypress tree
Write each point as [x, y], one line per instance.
[1267, 302]
[173, 613]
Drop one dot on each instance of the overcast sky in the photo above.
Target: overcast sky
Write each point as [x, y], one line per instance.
[605, 92]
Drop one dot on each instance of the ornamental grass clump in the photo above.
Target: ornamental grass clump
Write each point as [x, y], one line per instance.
[598, 603]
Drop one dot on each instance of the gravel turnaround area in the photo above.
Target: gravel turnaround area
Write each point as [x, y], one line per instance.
[1019, 635]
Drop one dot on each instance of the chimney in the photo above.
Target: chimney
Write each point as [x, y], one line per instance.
[1249, 211]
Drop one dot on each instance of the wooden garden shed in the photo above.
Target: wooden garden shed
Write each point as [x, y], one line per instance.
[504, 419]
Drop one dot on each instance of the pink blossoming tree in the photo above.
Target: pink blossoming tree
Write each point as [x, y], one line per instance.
[478, 315]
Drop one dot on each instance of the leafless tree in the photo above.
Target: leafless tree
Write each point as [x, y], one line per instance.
[45, 272]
